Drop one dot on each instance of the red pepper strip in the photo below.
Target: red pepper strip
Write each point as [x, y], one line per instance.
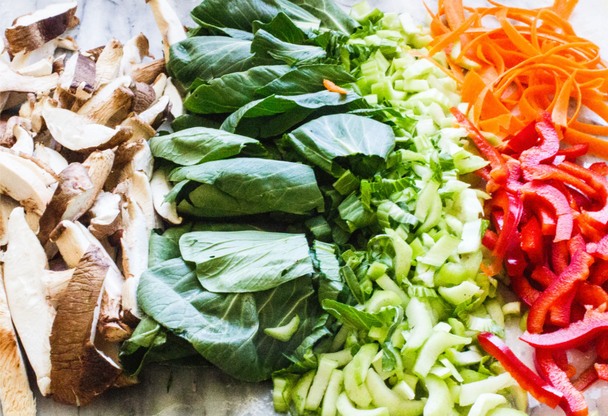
[546, 172]
[489, 239]
[512, 209]
[560, 313]
[524, 290]
[499, 172]
[532, 240]
[553, 198]
[578, 270]
[597, 218]
[525, 139]
[484, 173]
[547, 150]
[548, 224]
[575, 151]
[559, 256]
[599, 249]
[561, 359]
[573, 403]
[600, 167]
[599, 272]
[601, 346]
[515, 172]
[589, 294]
[527, 379]
[515, 261]
[602, 371]
[543, 275]
[588, 228]
[576, 243]
[577, 334]
[586, 379]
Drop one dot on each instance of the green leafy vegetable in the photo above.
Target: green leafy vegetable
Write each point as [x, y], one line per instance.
[256, 260]
[305, 79]
[247, 186]
[331, 15]
[200, 144]
[267, 47]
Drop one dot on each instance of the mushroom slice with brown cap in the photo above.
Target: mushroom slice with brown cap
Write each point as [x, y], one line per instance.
[56, 282]
[7, 205]
[112, 101]
[143, 96]
[171, 29]
[155, 115]
[105, 215]
[79, 371]
[141, 129]
[14, 82]
[107, 67]
[25, 181]
[24, 143]
[175, 98]
[78, 77]
[134, 52]
[131, 157]
[16, 397]
[38, 69]
[25, 265]
[148, 71]
[50, 157]
[159, 85]
[75, 132]
[33, 30]
[73, 239]
[160, 188]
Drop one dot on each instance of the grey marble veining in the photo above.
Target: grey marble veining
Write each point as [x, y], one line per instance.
[168, 391]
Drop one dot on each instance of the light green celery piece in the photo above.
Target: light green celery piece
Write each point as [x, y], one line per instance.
[388, 284]
[341, 357]
[382, 396]
[422, 320]
[404, 390]
[320, 383]
[425, 200]
[459, 294]
[334, 389]
[511, 308]
[381, 299]
[470, 392]
[362, 360]
[285, 332]
[403, 256]
[346, 408]
[440, 401]
[300, 391]
[463, 358]
[485, 403]
[495, 311]
[440, 252]
[437, 343]
[281, 394]
[357, 393]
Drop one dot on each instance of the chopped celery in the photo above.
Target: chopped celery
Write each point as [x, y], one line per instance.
[389, 284]
[281, 394]
[421, 319]
[457, 326]
[505, 411]
[403, 256]
[341, 357]
[471, 237]
[485, 403]
[470, 392]
[495, 311]
[472, 376]
[434, 346]
[440, 400]
[362, 360]
[404, 390]
[440, 252]
[463, 358]
[333, 391]
[345, 407]
[459, 294]
[382, 396]
[358, 393]
[520, 397]
[320, 383]
[376, 270]
[453, 371]
[285, 332]
[511, 308]
[451, 274]
[300, 391]
[440, 371]
[382, 298]
[425, 200]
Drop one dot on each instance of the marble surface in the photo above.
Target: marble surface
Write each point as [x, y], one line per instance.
[168, 391]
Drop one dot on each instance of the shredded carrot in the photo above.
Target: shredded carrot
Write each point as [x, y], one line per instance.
[333, 87]
[533, 62]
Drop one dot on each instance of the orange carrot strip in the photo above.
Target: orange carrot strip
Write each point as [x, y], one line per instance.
[560, 110]
[333, 87]
[597, 146]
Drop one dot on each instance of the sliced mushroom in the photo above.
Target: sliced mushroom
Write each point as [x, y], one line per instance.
[12, 81]
[78, 77]
[16, 396]
[25, 181]
[168, 23]
[24, 143]
[108, 63]
[159, 85]
[141, 129]
[134, 52]
[175, 98]
[75, 132]
[33, 30]
[131, 157]
[8, 138]
[155, 115]
[148, 71]
[41, 68]
[73, 239]
[112, 101]
[70, 200]
[50, 157]
[105, 215]
[80, 372]
[56, 282]
[25, 265]
[160, 188]
[143, 96]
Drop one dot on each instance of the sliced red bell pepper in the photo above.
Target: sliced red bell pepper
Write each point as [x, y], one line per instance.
[560, 313]
[499, 171]
[601, 346]
[586, 379]
[599, 272]
[600, 167]
[527, 379]
[553, 198]
[602, 371]
[573, 403]
[560, 256]
[522, 288]
[575, 151]
[489, 239]
[589, 294]
[512, 208]
[532, 241]
[598, 218]
[561, 359]
[599, 249]
[545, 151]
[543, 275]
[525, 139]
[577, 271]
[547, 220]
[515, 261]
[576, 334]
[484, 173]
[548, 172]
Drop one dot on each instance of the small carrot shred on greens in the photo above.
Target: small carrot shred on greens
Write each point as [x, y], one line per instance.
[517, 70]
[330, 86]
